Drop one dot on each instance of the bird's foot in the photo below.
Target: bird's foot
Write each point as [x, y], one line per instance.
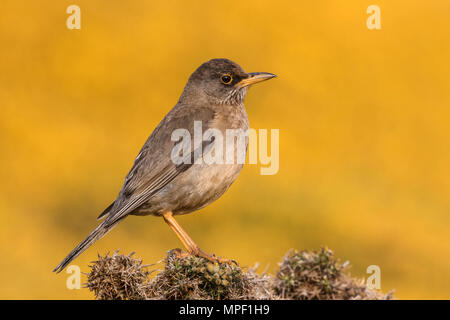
[199, 253]
[179, 253]
[211, 257]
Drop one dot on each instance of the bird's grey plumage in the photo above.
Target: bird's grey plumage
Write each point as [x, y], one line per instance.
[155, 184]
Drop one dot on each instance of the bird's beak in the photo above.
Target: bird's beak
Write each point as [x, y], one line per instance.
[254, 77]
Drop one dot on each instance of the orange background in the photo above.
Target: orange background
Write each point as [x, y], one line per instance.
[363, 118]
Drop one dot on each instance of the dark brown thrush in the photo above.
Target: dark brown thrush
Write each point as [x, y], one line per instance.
[160, 185]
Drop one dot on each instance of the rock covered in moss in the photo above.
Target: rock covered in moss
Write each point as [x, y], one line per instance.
[307, 275]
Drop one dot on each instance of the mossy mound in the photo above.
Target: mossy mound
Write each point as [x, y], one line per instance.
[197, 278]
[118, 277]
[307, 275]
[302, 275]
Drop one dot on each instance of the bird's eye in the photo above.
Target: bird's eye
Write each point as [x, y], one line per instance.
[226, 79]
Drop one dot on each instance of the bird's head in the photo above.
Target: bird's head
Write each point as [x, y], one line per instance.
[223, 81]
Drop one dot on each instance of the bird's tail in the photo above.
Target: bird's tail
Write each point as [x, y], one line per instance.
[102, 229]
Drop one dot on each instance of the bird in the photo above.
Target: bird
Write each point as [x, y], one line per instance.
[159, 186]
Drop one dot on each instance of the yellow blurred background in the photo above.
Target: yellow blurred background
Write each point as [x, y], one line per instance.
[363, 118]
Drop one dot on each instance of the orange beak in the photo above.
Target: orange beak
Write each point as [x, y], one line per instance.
[254, 77]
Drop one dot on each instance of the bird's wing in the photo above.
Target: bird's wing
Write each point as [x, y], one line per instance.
[106, 211]
[153, 168]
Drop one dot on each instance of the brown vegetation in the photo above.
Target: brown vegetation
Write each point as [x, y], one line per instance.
[302, 275]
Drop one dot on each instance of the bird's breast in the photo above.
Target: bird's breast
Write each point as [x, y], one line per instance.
[221, 161]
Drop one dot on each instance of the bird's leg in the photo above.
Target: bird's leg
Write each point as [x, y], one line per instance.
[173, 224]
[189, 244]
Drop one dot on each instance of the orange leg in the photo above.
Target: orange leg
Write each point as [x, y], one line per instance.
[188, 243]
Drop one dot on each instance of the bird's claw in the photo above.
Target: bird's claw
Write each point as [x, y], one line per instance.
[230, 262]
[177, 252]
[199, 253]
[213, 258]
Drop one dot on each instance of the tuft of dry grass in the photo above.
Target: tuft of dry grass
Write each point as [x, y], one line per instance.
[302, 275]
[118, 277]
